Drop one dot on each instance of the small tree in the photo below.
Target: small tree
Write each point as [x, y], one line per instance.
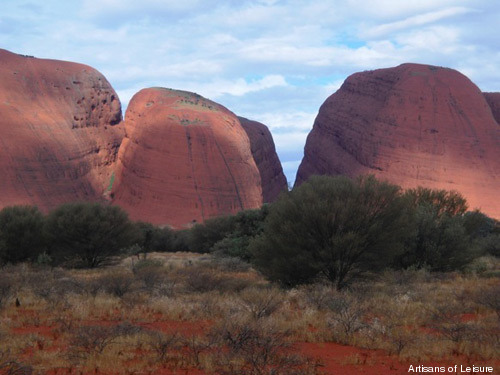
[333, 228]
[21, 234]
[89, 232]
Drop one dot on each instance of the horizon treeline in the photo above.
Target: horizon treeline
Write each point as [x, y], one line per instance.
[331, 229]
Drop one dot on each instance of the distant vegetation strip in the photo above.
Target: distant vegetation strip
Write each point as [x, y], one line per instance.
[330, 229]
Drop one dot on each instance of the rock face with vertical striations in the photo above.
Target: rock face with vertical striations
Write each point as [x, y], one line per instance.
[493, 99]
[59, 137]
[184, 159]
[268, 163]
[412, 125]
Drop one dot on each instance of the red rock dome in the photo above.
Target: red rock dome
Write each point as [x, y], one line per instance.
[264, 154]
[59, 137]
[412, 125]
[184, 159]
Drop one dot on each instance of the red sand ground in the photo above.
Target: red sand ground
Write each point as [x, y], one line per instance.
[334, 358]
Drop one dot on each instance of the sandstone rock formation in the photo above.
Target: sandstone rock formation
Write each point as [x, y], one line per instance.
[58, 135]
[493, 99]
[184, 159]
[264, 154]
[412, 125]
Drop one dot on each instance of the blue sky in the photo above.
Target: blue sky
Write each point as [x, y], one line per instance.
[273, 61]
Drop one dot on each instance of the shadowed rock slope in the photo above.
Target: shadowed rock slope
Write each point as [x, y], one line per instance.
[493, 99]
[183, 159]
[264, 154]
[58, 135]
[412, 125]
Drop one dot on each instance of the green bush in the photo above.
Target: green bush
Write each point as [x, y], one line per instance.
[332, 228]
[228, 235]
[484, 232]
[246, 226]
[203, 236]
[152, 238]
[439, 239]
[21, 234]
[88, 232]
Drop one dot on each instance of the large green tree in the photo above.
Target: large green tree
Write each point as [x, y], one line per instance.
[21, 233]
[333, 228]
[89, 232]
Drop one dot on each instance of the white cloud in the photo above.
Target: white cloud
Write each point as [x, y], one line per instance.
[438, 39]
[99, 8]
[389, 8]
[238, 87]
[418, 20]
[290, 142]
[298, 121]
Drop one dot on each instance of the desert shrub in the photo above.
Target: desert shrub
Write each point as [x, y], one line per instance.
[201, 279]
[53, 285]
[332, 228]
[446, 318]
[231, 264]
[88, 340]
[88, 232]
[393, 325]
[92, 286]
[163, 344]
[151, 272]
[6, 290]
[146, 264]
[261, 302]
[347, 317]
[319, 296]
[21, 234]
[13, 367]
[489, 297]
[92, 340]
[117, 283]
[255, 348]
[405, 277]
[484, 266]
[195, 346]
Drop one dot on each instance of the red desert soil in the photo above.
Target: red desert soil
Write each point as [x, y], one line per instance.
[334, 358]
[412, 125]
[264, 154]
[340, 359]
[59, 129]
[184, 159]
